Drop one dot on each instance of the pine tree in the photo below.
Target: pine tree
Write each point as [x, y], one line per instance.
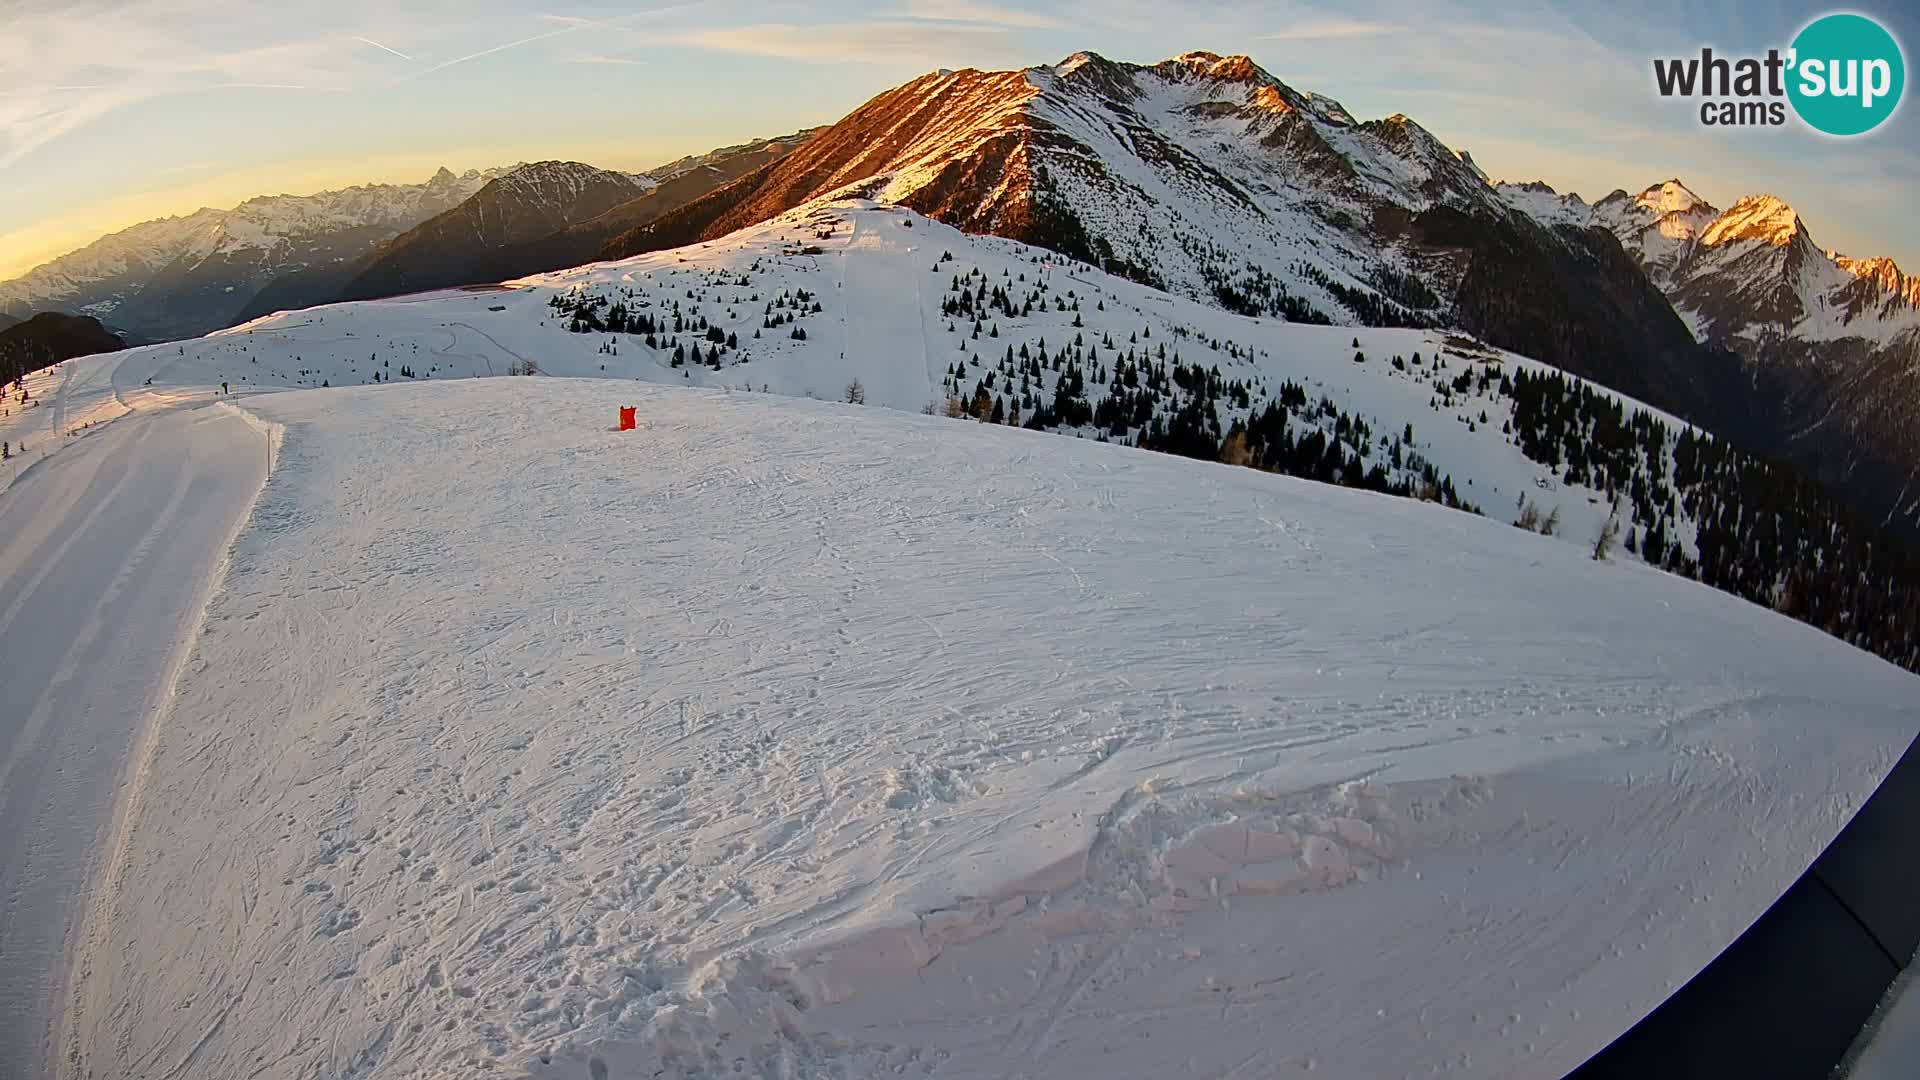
[1609, 534]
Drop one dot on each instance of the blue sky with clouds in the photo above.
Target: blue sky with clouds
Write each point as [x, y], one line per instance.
[116, 110]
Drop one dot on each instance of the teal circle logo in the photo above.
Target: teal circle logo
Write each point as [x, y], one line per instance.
[1847, 74]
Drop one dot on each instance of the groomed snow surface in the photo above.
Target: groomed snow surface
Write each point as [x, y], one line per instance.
[785, 738]
[107, 550]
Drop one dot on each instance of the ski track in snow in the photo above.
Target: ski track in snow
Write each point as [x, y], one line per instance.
[106, 550]
[784, 738]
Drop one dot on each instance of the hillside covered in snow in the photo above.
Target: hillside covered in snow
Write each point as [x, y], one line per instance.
[787, 738]
[925, 317]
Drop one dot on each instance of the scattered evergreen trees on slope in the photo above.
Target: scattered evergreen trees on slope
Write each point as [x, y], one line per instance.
[1027, 349]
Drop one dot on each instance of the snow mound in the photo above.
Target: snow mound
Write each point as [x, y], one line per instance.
[793, 738]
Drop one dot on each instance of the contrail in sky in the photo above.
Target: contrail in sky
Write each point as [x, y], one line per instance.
[573, 24]
[383, 48]
[502, 48]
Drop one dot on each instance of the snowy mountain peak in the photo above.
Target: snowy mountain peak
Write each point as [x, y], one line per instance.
[1672, 197]
[1753, 269]
[1203, 174]
[1236, 68]
[1756, 217]
[1262, 90]
[1164, 171]
[1884, 275]
[560, 179]
[1065, 67]
[1541, 202]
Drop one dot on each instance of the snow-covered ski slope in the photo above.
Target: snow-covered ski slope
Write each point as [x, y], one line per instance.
[107, 550]
[788, 738]
[882, 277]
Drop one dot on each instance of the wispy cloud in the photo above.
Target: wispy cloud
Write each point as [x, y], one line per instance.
[68, 64]
[61, 71]
[626, 61]
[895, 42]
[984, 14]
[1332, 28]
[28, 123]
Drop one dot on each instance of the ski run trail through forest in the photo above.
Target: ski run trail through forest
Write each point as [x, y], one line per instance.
[789, 738]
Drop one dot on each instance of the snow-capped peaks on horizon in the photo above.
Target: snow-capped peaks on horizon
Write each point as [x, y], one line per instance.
[1884, 274]
[1538, 200]
[1065, 67]
[1212, 65]
[1766, 218]
[179, 276]
[1670, 208]
[1751, 269]
[563, 179]
[1672, 197]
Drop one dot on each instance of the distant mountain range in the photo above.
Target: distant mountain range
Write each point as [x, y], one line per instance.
[526, 204]
[1202, 175]
[531, 218]
[184, 276]
[189, 275]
